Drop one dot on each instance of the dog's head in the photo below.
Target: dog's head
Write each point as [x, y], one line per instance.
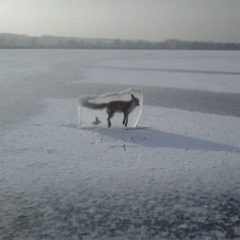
[135, 100]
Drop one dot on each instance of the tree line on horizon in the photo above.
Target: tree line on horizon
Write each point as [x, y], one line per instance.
[15, 41]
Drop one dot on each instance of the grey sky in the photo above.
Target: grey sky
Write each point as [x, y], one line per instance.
[157, 20]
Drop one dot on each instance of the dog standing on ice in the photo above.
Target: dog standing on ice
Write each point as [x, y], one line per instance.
[126, 107]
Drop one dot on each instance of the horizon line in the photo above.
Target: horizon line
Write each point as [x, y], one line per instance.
[121, 39]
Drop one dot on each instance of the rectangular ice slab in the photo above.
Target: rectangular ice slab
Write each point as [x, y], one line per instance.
[93, 110]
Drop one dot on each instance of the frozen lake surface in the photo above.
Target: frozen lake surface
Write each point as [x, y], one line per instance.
[166, 77]
[176, 177]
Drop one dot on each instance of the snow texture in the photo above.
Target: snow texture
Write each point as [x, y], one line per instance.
[175, 176]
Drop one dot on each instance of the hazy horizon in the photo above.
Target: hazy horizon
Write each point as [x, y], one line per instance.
[152, 20]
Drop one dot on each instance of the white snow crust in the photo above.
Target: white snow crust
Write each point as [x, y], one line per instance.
[210, 71]
[177, 176]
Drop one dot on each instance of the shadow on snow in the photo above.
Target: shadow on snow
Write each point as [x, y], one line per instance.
[149, 137]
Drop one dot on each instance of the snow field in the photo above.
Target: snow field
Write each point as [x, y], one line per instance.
[126, 172]
[175, 177]
[210, 71]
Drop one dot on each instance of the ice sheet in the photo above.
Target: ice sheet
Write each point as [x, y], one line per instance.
[209, 71]
[176, 176]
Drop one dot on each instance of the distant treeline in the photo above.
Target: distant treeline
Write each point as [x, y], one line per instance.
[14, 41]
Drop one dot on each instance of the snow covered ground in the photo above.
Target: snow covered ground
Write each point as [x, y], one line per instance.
[174, 177]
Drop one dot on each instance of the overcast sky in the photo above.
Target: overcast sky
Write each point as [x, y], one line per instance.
[155, 20]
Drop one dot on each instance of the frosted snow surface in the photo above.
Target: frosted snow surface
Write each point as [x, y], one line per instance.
[176, 176]
[212, 71]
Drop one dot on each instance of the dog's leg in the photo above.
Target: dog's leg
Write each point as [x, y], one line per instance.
[126, 120]
[110, 115]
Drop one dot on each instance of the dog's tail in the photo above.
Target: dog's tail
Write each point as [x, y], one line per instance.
[87, 104]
